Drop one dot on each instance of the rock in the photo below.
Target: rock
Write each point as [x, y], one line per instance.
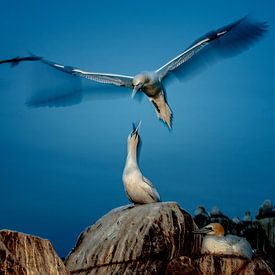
[268, 225]
[142, 238]
[182, 265]
[25, 254]
[151, 239]
[217, 265]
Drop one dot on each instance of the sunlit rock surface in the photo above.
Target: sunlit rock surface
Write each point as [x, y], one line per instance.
[28, 255]
[134, 239]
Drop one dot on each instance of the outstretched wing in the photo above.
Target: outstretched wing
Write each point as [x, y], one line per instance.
[66, 86]
[224, 42]
[115, 79]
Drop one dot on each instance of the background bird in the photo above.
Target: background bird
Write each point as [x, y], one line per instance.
[201, 217]
[139, 189]
[224, 42]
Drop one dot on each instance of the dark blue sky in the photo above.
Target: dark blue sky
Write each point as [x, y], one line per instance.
[61, 168]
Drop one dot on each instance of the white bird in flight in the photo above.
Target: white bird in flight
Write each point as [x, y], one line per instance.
[216, 243]
[139, 189]
[224, 42]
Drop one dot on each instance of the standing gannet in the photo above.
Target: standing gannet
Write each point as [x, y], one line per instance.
[224, 42]
[139, 189]
[216, 243]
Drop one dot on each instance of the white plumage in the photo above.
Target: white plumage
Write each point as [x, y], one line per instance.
[138, 188]
[221, 43]
[216, 243]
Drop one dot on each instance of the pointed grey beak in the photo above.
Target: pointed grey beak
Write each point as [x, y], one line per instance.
[204, 230]
[135, 90]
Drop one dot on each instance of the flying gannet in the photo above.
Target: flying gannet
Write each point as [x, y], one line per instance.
[139, 189]
[216, 243]
[223, 42]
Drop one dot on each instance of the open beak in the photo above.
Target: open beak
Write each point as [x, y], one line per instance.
[135, 129]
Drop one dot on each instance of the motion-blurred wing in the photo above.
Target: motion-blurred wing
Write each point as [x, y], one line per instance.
[55, 85]
[115, 79]
[224, 42]
[16, 60]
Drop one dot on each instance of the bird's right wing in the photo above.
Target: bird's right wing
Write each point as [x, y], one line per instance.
[16, 60]
[56, 85]
[115, 79]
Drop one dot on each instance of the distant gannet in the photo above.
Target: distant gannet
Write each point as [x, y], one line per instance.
[247, 217]
[267, 210]
[201, 217]
[216, 216]
[216, 243]
[224, 42]
[138, 188]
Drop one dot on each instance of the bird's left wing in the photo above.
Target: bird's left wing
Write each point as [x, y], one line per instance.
[115, 79]
[150, 189]
[224, 42]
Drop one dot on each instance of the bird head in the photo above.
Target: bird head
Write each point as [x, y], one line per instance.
[138, 83]
[134, 136]
[215, 229]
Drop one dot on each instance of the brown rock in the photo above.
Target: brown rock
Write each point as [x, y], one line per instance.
[268, 225]
[24, 254]
[182, 265]
[151, 239]
[218, 265]
[257, 266]
[132, 239]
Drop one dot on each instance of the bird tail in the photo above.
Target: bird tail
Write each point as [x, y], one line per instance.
[162, 109]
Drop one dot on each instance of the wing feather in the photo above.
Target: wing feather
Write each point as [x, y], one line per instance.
[115, 79]
[224, 42]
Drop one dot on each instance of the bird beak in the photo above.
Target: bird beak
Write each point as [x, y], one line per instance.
[135, 129]
[204, 230]
[135, 90]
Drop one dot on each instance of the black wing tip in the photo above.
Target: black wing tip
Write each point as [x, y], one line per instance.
[16, 60]
[251, 22]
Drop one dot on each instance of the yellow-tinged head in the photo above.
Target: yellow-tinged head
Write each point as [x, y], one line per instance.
[138, 83]
[214, 229]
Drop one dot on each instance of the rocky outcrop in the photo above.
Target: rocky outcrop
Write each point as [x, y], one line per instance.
[142, 238]
[154, 238]
[151, 239]
[28, 255]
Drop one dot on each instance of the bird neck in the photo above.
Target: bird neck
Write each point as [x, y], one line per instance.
[132, 154]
